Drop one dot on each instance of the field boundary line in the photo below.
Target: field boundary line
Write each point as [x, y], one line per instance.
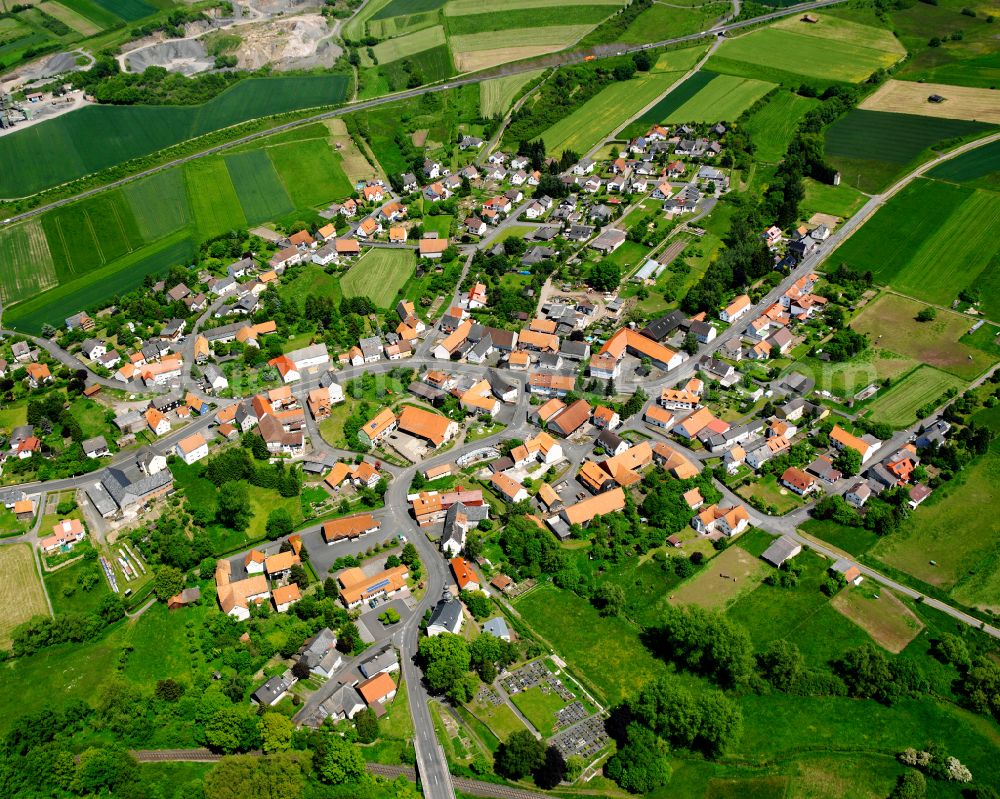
[65, 246]
[97, 240]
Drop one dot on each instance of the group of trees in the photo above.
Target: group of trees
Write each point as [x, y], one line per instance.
[523, 754]
[153, 86]
[664, 504]
[448, 662]
[705, 642]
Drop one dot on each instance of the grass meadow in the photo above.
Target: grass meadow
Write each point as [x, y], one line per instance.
[772, 127]
[595, 645]
[21, 590]
[660, 20]
[98, 137]
[890, 322]
[898, 406]
[539, 708]
[497, 95]
[879, 613]
[379, 275]
[941, 530]
[843, 200]
[592, 122]
[804, 50]
[852, 540]
[873, 148]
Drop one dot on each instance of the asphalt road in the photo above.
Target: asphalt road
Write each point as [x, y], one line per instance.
[557, 59]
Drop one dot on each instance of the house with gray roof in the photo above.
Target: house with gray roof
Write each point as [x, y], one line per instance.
[320, 653]
[384, 660]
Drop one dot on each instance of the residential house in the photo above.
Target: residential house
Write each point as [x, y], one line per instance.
[192, 448]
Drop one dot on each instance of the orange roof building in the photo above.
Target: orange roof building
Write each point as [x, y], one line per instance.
[379, 688]
[465, 577]
[586, 510]
[432, 427]
[357, 587]
[349, 527]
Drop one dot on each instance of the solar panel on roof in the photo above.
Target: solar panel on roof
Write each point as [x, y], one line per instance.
[378, 585]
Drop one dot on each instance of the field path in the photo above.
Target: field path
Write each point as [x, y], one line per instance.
[676, 84]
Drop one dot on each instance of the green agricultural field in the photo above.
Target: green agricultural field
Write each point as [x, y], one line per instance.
[873, 148]
[68, 16]
[311, 172]
[890, 323]
[940, 531]
[99, 137]
[128, 10]
[594, 121]
[477, 51]
[964, 245]
[125, 274]
[405, 23]
[159, 203]
[661, 20]
[379, 275]
[679, 60]
[980, 166]
[92, 11]
[430, 65]
[723, 97]
[821, 198]
[898, 406]
[21, 591]
[403, 46]
[28, 267]
[214, 203]
[396, 7]
[671, 102]
[261, 194]
[546, 609]
[834, 49]
[87, 234]
[455, 8]
[497, 95]
[508, 19]
[930, 241]
[772, 127]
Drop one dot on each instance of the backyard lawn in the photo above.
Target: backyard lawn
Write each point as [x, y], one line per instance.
[766, 489]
